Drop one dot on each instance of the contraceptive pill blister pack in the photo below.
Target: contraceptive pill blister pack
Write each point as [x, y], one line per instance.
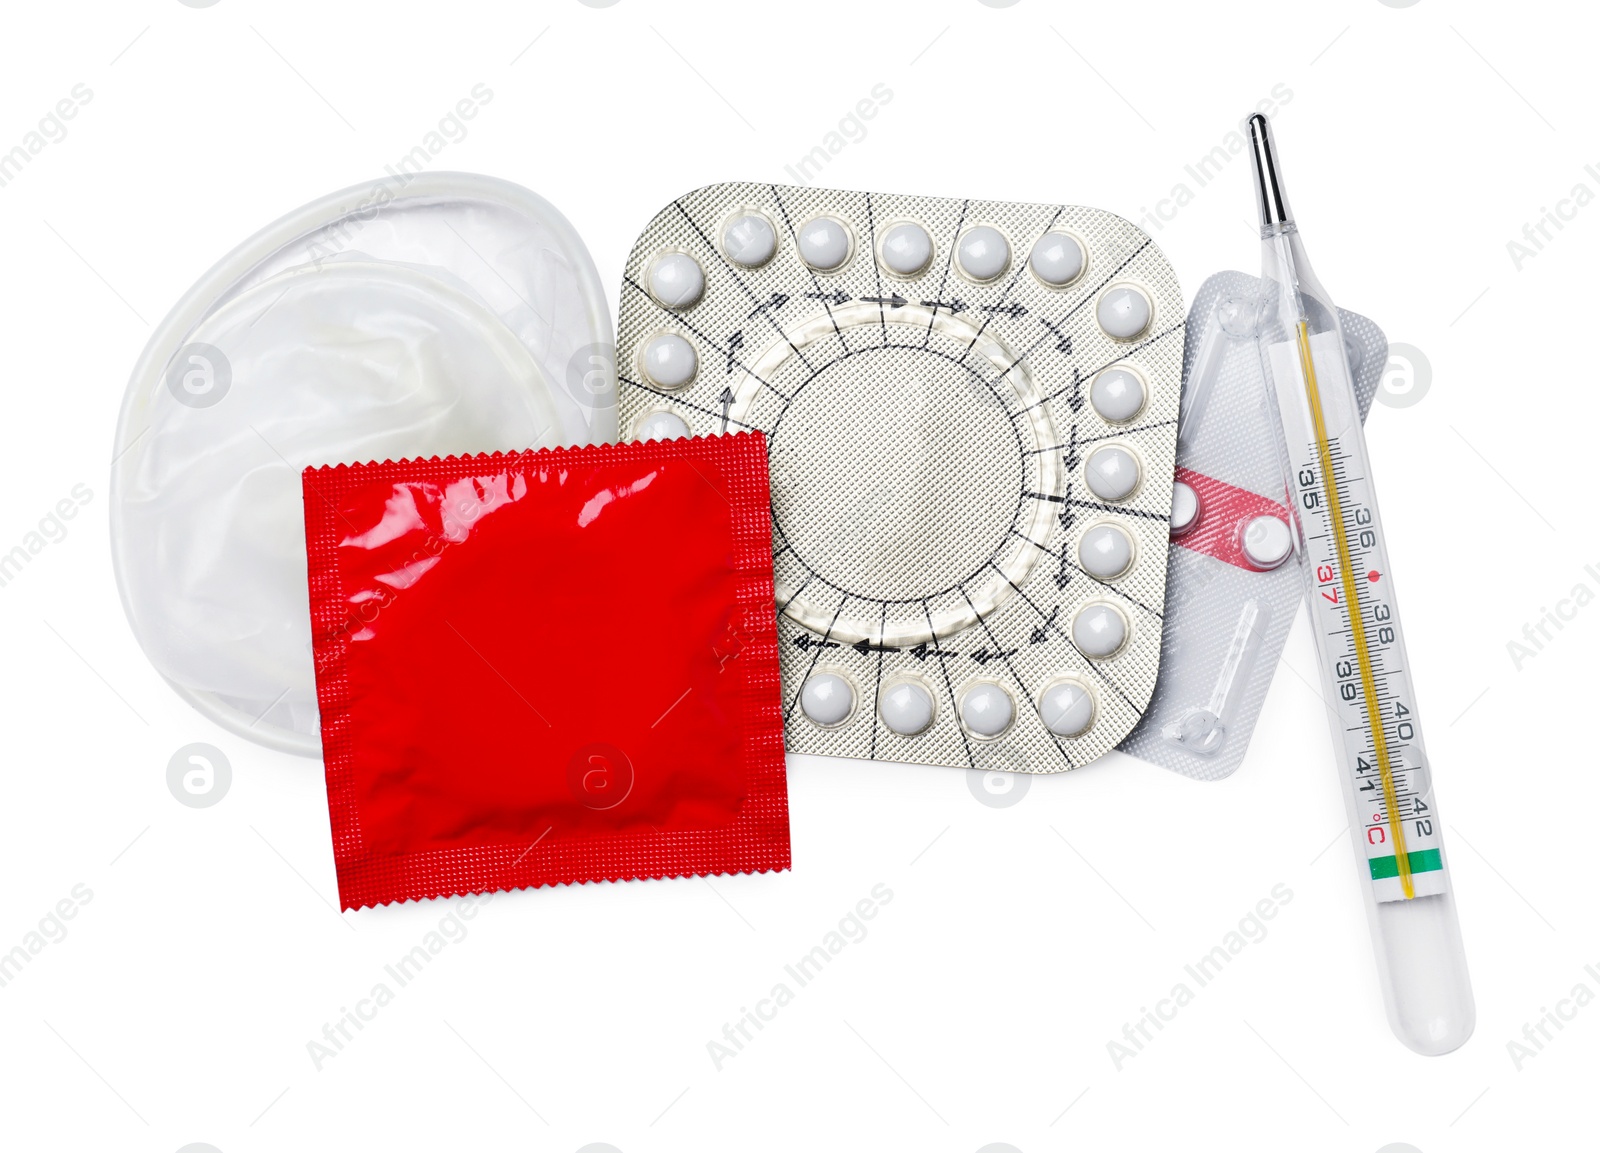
[970, 409]
[1232, 588]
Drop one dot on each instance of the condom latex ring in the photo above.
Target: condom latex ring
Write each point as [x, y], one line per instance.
[446, 314]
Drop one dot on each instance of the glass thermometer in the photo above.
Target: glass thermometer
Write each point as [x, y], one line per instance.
[1377, 735]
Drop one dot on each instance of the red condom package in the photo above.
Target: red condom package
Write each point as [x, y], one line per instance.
[549, 666]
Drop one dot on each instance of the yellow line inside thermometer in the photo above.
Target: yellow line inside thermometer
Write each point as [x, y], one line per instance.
[1358, 632]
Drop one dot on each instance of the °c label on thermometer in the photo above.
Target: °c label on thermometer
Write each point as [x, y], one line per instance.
[1357, 625]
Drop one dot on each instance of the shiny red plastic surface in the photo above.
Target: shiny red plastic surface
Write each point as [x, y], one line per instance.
[1224, 511]
[547, 667]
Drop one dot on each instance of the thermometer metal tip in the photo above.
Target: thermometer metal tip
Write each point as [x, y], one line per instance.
[1270, 198]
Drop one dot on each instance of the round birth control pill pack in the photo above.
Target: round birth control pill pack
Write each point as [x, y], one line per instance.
[971, 409]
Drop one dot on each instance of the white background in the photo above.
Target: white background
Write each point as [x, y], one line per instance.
[1020, 938]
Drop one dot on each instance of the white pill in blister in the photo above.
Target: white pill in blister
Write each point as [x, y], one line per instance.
[669, 361]
[983, 253]
[1117, 395]
[1066, 708]
[824, 243]
[826, 699]
[1266, 542]
[1105, 552]
[676, 280]
[906, 708]
[1123, 311]
[661, 426]
[986, 709]
[1099, 631]
[1056, 259]
[749, 240]
[906, 249]
[1185, 508]
[1112, 472]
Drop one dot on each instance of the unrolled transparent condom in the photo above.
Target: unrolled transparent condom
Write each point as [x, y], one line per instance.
[449, 314]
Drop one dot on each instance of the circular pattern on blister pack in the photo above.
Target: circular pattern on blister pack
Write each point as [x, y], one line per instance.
[986, 710]
[983, 253]
[867, 473]
[905, 249]
[1105, 552]
[906, 706]
[1057, 259]
[866, 494]
[676, 280]
[1066, 707]
[749, 239]
[827, 698]
[1117, 394]
[1099, 630]
[668, 361]
[660, 425]
[1112, 472]
[1123, 311]
[824, 243]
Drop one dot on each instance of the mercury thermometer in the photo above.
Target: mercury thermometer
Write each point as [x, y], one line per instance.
[1377, 734]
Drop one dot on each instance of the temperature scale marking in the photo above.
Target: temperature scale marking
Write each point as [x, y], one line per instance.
[1358, 632]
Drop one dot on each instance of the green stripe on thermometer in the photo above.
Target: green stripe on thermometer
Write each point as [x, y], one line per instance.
[1422, 861]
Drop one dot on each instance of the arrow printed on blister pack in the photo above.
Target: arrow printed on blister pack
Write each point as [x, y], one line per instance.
[1063, 340]
[895, 301]
[1075, 401]
[865, 647]
[1041, 633]
[727, 402]
[1063, 575]
[984, 656]
[1013, 310]
[778, 301]
[1065, 516]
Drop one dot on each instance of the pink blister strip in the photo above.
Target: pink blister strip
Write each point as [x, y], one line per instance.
[1218, 530]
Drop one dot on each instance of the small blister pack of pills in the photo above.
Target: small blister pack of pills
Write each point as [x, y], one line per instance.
[1232, 588]
[971, 409]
